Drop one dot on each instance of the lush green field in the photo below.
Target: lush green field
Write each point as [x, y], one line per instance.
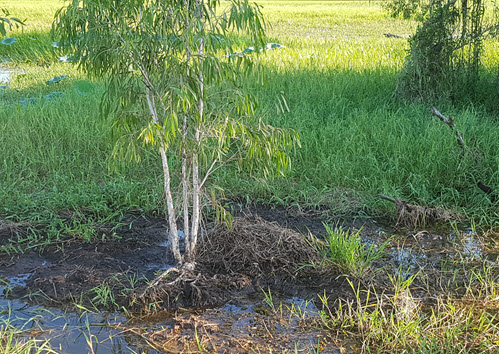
[338, 73]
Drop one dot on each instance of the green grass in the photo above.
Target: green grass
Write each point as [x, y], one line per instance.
[398, 322]
[346, 250]
[15, 340]
[338, 73]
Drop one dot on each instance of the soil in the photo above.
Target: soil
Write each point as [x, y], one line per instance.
[62, 272]
[227, 311]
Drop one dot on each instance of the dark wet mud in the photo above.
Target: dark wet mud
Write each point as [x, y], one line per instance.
[75, 293]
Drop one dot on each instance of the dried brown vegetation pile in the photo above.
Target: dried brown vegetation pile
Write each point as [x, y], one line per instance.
[228, 261]
[255, 247]
[411, 215]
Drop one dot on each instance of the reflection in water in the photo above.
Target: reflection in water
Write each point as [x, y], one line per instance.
[69, 332]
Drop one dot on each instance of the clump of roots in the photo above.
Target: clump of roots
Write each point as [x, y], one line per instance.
[179, 289]
[255, 247]
[229, 260]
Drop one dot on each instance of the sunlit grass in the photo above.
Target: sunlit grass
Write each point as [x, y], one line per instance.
[345, 249]
[337, 72]
[17, 339]
[399, 322]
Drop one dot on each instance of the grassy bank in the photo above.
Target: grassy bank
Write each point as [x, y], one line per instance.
[338, 73]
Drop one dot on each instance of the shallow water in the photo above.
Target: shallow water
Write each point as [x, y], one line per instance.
[238, 321]
[72, 332]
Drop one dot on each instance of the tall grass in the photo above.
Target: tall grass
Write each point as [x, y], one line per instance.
[338, 73]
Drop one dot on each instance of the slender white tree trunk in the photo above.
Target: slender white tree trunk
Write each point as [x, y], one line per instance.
[174, 237]
[185, 187]
[196, 175]
[185, 156]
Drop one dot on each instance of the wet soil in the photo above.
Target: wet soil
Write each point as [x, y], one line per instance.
[240, 318]
[64, 270]
[60, 272]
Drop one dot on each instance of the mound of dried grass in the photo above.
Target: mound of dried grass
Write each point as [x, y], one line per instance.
[255, 247]
[228, 260]
[411, 215]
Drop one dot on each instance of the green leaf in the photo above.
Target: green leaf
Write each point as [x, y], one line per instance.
[248, 50]
[84, 86]
[52, 95]
[9, 41]
[15, 19]
[270, 46]
[56, 79]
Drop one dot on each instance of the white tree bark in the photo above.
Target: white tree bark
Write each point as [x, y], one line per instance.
[174, 237]
[196, 175]
[185, 157]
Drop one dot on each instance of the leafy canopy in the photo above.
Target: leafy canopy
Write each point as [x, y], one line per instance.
[153, 45]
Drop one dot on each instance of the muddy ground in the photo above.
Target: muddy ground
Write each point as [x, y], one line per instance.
[108, 273]
[61, 271]
[232, 315]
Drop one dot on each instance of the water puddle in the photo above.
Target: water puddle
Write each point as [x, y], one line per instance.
[68, 332]
[167, 243]
[251, 321]
[8, 283]
[6, 74]
[410, 252]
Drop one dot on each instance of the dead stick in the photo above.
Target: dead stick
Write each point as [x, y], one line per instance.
[449, 121]
[387, 198]
[451, 124]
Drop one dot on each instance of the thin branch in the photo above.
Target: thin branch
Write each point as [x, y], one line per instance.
[473, 38]
[387, 198]
[449, 121]
[211, 170]
[207, 174]
[451, 124]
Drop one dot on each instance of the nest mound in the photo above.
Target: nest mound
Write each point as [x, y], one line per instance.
[228, 262]
[255, 247]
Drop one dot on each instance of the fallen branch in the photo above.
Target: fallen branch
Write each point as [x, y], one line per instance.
[460, 140]
[390, 35]
[451, 124]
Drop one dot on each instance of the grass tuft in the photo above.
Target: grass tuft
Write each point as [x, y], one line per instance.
[345, 249]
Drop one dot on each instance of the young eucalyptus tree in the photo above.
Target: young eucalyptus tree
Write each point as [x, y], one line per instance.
[174, 84]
